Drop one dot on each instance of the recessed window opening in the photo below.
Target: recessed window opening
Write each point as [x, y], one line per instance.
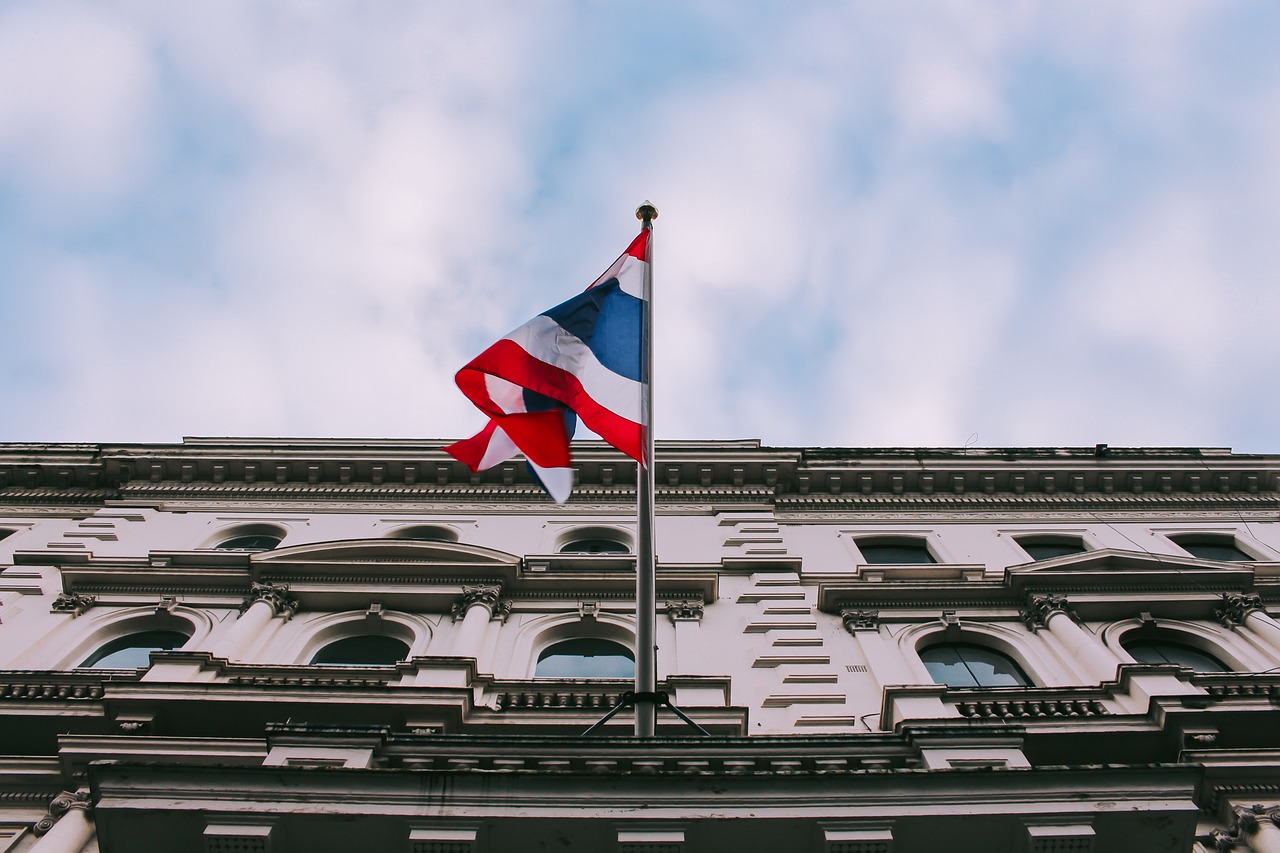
[895, 551]
[4, 531]
[586, 657]
[363, 650]
[1208, 547]
[594, 546]
[425, 533]
[962, 665]
[1049, 547]
[250, 542]
[134, 650]
[1162, 651]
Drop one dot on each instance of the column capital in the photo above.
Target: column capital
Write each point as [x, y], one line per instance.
[860, 620]
[60, 805]
[486, 596]
[1235, 607]
[1040, 607]
[275, 594]
[685, 610]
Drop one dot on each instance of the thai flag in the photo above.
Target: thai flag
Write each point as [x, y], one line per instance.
[582, 357]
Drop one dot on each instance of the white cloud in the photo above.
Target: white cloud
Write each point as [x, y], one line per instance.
[77, 104]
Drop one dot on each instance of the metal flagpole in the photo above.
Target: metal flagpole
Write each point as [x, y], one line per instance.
[646, 563]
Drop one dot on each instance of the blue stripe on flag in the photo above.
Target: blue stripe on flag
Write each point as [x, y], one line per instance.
[608, 321]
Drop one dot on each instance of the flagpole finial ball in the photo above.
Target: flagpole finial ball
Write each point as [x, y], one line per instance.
[646, 211]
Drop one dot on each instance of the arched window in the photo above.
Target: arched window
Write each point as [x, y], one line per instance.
[134, 650]
[1048, 547]
[1212, 547]
[1162, 651]
[585, 657]
[961, 665]
[594, 546]
[895, 551]
[363, 650]
[250, 542]
[425, 533]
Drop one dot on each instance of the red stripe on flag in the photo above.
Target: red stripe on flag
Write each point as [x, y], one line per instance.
[471, 451]
[508, 360]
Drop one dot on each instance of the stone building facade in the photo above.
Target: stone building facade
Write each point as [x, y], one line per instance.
[231, 645]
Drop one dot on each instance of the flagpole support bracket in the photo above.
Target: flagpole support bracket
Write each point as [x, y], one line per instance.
[632, 698]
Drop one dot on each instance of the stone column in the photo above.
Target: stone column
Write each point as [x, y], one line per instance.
[263, 602]
[67, 827]
[474, 610]
[1050, 612]
[1245, 609]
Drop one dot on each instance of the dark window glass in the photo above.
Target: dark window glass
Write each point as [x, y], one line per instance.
[4, 533]
[1162, 652]
[254, 542]
[426, 534]
[595, 546]
[134, 650]
[364, 650]
[1048, 549]
[895, 552]
[1214, 549]
[972, 666]
[585, 658]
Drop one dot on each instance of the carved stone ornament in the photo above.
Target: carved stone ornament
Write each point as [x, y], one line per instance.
[860, 620]
[1244, 825]
[685, 610]
[275, 594]
[1235, 607]
[60, 805]
[74, 603]
[502, 610]
[1041, 607]
[489, 596]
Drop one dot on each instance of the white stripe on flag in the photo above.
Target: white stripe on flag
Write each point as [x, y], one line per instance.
[545, 340]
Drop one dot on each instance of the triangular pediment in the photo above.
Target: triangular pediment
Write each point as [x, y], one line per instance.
[1113, 567]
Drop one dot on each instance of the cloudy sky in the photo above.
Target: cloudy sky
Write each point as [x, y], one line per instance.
[935, 223]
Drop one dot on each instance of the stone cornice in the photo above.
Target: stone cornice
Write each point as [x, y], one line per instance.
[391, 473]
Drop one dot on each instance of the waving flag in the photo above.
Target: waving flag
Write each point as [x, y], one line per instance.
[582, 357]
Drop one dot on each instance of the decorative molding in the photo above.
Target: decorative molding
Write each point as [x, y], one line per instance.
[487, 596]
[277, 595]
[1245, 822]
[685, 610]
[59, 806]
[74, 603]
[1040, 607]
[1236, 607]
[860, 620]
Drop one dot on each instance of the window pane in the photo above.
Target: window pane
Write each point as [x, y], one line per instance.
[992, 669]
[895, 552]
[1224, 551]
[365, 650]
[1175, 653]
[1049, 550]
[134, 650]
[958, 665]
[585, 658]
[945, 667]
